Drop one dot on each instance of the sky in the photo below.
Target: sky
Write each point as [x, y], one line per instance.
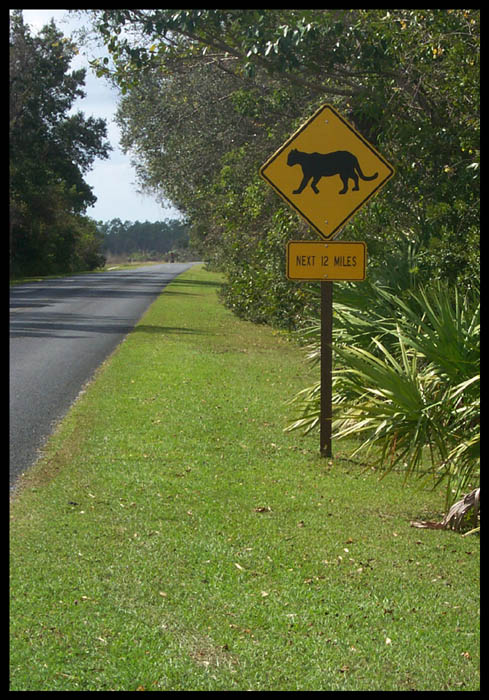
[113, 180]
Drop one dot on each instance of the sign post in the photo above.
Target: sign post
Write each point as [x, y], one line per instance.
[326, 407]
[326, 171]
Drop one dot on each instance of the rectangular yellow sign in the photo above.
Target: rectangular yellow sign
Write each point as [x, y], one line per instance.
[335, 261]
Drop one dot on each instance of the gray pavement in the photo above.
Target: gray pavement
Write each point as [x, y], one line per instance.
[61, 330]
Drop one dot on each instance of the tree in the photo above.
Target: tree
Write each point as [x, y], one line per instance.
[50, 150]
[158, 237]
[407, 79]
[210, 94]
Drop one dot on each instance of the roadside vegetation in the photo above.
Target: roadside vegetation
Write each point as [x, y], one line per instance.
[173, 537]
[209, 95]
[406, 381]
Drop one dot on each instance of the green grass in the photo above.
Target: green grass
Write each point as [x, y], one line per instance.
[174, 538]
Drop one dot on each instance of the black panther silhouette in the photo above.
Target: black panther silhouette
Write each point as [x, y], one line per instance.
[318, 165]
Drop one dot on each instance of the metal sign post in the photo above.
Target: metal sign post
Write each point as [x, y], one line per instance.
[326, 415]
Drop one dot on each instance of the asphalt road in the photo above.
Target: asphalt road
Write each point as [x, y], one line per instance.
[61, 330]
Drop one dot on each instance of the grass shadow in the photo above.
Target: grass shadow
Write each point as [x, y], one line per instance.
[196, 283]
[161, 330]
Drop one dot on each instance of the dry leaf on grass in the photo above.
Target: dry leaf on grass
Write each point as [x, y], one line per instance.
[453, 519]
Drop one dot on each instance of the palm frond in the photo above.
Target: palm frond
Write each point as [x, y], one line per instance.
[405, 381]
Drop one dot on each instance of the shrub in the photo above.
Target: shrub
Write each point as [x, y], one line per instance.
[406, 381]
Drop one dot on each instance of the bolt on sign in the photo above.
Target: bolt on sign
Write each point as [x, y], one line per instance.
[309, 261]
[327, 171]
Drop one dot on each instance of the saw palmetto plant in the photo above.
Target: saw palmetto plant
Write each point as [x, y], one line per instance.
[406, 382]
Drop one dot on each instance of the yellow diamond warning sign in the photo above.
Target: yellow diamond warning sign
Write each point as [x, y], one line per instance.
[327, 171]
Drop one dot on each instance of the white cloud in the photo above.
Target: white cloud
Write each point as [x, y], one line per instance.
[122, 201]
[113, 180]
[37, 19]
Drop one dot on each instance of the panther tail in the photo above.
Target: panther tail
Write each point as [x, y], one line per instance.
[362, 176]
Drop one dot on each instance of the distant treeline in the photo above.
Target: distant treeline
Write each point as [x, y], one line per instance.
[129, 237]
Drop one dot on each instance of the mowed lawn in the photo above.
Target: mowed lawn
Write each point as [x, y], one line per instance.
[173, 537]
